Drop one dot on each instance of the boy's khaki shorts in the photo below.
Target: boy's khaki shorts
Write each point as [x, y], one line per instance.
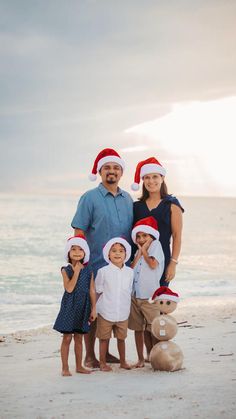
[105, 327]
[142, 314]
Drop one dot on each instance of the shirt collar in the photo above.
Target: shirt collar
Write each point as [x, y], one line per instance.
[111, 265]
[105, 192]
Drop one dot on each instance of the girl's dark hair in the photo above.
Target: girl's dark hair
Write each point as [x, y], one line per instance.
[145, 193]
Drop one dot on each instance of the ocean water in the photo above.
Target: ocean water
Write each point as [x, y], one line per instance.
[33, 232]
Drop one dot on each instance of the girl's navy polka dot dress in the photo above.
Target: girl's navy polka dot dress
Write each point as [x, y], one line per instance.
[75, 308]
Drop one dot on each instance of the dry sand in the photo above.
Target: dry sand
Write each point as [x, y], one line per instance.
[31, 385]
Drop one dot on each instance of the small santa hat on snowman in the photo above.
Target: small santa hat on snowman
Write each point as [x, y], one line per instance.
[145, 167]
[80, 241]
[145, 225]
[105, 156]
[164, 293]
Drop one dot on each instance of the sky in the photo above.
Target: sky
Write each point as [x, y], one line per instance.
[148, 78]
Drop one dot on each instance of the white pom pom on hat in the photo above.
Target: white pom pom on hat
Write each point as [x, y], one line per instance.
[145, 167]
[105, 156]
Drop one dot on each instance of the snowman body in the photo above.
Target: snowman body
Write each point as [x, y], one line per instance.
[165, 355]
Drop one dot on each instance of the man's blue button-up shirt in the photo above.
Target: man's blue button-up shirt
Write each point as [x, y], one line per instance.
[102, 216]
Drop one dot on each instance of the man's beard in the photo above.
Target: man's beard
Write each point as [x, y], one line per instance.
[111, 180]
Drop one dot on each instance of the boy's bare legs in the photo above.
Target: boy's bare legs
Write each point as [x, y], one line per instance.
[78, 339]
[139, 340]
[103, 347]
[65, 347]
[121, 350]
[90, 358]
[149, 341]
[89, 339]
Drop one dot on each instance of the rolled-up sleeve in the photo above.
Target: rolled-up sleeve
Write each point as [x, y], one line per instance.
[99, 281]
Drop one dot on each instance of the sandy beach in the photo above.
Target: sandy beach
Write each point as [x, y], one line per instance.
[32, 387]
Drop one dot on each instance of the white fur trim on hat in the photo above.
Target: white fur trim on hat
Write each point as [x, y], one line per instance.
[167, 297]
[110, 159]
[144, 229]
[152, 168]
[110, 243]
[77, 241]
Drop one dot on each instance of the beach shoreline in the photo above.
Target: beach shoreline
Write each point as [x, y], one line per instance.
[33, 387]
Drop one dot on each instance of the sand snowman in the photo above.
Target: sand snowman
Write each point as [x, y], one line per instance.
[165, 355]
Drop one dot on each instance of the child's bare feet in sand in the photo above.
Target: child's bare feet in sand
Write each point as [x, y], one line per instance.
[125, 366]
[139, 364]
[66, 373]
[105, 367]
[83, 370]
[92, 363]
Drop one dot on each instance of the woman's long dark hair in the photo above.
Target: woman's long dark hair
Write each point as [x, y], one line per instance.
[145, 193]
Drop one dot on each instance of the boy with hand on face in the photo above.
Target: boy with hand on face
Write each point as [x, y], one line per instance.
[148, 265]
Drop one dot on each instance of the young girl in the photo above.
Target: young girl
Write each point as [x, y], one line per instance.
[148, 265]
[78, 305]
[114, 286]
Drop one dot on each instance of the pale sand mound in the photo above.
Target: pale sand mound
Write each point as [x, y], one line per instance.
[31, 385]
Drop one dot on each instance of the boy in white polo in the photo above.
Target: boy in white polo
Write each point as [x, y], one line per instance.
[148, 265]
[114, 285]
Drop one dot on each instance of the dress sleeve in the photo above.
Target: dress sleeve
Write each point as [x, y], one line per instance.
[175, 201]
[99, 281]
[82, 217]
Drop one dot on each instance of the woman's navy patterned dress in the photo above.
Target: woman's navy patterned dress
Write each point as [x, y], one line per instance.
[75, 308]
[162, 215]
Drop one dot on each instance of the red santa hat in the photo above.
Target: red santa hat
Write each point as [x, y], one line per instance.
[105, 156]
[110, 243]
[145, 167]
[164, 293]
[77, 241]
[145, 225]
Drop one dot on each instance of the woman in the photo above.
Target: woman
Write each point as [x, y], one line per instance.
[166, 209]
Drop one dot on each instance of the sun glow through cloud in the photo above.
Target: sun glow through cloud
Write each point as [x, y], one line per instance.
[200, 138]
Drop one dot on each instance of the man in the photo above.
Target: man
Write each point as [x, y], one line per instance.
[103, 213]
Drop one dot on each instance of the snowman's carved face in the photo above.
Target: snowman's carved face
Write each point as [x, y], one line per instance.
[166, 306]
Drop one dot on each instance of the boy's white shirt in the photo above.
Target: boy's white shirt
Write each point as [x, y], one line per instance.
[146, 280]
[115, 284]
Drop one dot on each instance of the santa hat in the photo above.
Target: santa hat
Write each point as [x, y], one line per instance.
[145, 225]
[77, 241]
[110, 243]
[105, 156]
[145, 167]
[164, 293]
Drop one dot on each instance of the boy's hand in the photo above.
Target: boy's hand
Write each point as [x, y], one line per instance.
[147, 243]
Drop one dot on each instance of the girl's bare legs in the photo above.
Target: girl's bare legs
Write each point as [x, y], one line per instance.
[78, 339]
[121, 350]
[65, 347]
[139, 340]
[103, 346]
